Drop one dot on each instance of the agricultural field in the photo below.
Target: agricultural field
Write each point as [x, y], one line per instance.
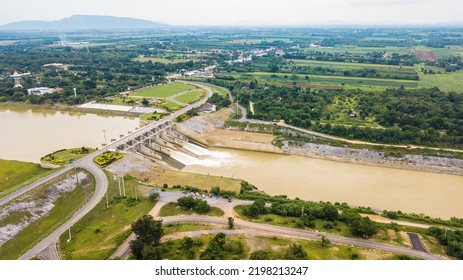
[352, 82]
[360, 50]
[446, 81]
[163, 91]
[378, 70]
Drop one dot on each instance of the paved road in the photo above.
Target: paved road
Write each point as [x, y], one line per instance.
[100, 190]
[48, 245]
[416, 242]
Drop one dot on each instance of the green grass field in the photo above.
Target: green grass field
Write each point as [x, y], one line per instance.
[163, 91]
[190, 97]
[446, 82]
[169, 105]
[14, 173]
[164, 60]
[64, 208]
[97, 235]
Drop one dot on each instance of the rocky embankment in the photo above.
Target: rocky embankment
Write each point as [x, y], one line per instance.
[364, 156]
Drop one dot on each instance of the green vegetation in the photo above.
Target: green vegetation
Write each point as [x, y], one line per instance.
[163, 91]
[451, 239]
[66, 205]
[67, 155]
[152, 116]
[107, 158]
[171, 209]
[14, 174]
[169, 105]
[99, 233]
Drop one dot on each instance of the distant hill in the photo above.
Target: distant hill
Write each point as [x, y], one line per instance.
[85, 22]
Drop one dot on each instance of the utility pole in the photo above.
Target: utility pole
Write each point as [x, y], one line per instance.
[70, 237]
[104, 135]
[119, 184]
[123, 184]
[77, 177]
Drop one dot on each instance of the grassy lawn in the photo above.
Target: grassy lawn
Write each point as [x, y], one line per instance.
[151, 117]
[14, 174]
[64, 208]
[190, 97]
[169, 105]
[163, 91]
[164, 60]
[197, 180]
[171, 209]
[97, 235]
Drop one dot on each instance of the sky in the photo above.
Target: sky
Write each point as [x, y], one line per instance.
[242, 12]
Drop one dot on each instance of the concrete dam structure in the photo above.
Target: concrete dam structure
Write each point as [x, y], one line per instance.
[162, 144]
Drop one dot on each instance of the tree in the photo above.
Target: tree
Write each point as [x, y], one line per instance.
[153, 197]
[145, 102]
[330, 212]
[231, 223]
[295, 252]
[186, 202]
[364, 227]
[324, 241]
[202, 206]
[259, 255]
[215, 248]
[148, 233]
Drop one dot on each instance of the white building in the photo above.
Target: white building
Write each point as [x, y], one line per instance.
[40, 90]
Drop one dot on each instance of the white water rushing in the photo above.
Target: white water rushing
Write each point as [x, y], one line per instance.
[204, 157]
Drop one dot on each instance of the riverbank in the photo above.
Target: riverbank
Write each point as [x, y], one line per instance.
[65, 108]
[209, 129]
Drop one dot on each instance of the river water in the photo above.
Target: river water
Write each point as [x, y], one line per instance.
[27, 135]
[437, 195]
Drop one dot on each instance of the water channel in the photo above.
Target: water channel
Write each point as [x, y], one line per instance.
[27, 135]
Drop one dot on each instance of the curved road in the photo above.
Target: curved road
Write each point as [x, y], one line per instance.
[265, 229]
[48, 245]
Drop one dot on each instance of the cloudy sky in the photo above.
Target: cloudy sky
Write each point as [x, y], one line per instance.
[232, 12]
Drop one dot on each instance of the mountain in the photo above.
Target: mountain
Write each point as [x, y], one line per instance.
[85, 22]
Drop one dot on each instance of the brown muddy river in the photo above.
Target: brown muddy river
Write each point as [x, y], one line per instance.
[437, 195]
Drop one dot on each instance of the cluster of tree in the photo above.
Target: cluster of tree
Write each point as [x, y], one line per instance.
[413, 116]
[196, 204]
[219, 100]
[368, 58]
[96, 73]
[219, 248]
[451, 239]
[308, 212]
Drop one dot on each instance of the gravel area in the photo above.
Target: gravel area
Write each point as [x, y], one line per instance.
[429, 163]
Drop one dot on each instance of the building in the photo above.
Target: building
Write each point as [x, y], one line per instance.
[40, 90]
[208, 108]
[17, 78]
